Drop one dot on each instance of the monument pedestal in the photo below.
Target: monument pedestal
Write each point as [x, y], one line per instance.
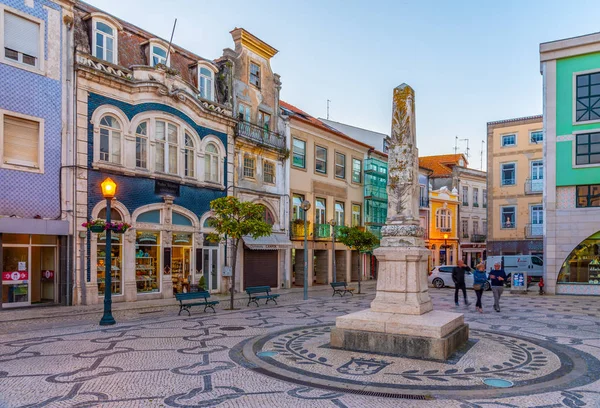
[401, 320]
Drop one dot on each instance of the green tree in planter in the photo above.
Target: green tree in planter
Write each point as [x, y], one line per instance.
[233, 219]
[360, 240]
[202, 283]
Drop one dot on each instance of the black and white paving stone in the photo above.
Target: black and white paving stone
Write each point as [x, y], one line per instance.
[547, 346]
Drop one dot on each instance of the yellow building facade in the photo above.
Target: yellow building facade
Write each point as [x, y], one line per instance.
[515, 169]
[443, 226]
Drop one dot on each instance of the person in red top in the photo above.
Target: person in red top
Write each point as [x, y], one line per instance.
[541, 285]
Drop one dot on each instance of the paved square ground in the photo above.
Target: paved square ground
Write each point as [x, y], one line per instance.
[159, 359]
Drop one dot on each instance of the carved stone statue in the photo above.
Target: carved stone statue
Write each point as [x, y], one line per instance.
[403, 172]
[224, 81]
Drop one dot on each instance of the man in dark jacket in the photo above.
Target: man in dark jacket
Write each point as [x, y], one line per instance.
[458, 276]
[497, 278]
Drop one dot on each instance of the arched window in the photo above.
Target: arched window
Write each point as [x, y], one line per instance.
[141, 145]
[104, 42]
[443, 219]
[211, 163]
[208, 223]
[158, 55]
[268, 216]
[110, 139]
[205, 83]
[166, 138]
[189, 156]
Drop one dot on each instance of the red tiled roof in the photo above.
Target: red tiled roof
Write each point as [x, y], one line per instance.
[441, 165]
[306, 118]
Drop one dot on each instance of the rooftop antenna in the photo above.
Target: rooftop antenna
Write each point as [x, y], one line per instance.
[328, 101]
[171, 41]
[482, 147]
[455, 144]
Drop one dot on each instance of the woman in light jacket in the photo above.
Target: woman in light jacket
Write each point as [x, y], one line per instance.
[479, 280]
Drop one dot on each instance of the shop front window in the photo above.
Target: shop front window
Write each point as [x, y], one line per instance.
[116, 270]
[181, 262]
[583, 263]
[147, 261]
[15, 275]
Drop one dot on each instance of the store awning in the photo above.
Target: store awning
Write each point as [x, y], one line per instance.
[273, 241]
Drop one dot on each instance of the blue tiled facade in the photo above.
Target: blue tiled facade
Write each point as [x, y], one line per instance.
[137, 191]
[27, 194]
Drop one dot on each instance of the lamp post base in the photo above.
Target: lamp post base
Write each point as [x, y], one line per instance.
[107, 320]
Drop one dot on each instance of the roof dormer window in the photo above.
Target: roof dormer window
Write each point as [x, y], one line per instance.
[158, 55]
[206, 83]
[105, 37]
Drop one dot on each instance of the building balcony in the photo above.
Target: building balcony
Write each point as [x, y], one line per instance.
[534, 186]
[465, 235]
[337, 228]
[423, 202]
[260, 136]
[478, 238]
[321, 231]
[475, 205]
[534, 230]
[297, 229]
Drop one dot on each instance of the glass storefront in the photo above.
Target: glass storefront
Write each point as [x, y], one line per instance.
[181, 262]
[583, 263]
[116, 266]
[147, 261]
[29, 269]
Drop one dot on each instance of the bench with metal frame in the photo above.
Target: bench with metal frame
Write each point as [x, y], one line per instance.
[195, 296]
[341, 288]
[254, 294]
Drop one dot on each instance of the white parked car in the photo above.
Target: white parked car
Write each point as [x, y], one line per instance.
[441, 276]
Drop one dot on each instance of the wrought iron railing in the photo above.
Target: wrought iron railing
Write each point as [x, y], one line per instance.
[478, 238]
[534, 230]
[322, 231]
[534, 186]
[465, 235]
[259, 135]
[297, 229]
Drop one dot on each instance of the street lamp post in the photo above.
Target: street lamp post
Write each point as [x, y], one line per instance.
[109, 188]
[445, 249]
[305, 207]
[332, 223]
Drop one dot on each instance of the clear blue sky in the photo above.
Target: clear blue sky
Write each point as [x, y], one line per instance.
[469, 62]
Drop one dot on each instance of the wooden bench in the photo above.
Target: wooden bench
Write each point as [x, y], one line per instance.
[194, 296]
[254, 294]
[341, 289]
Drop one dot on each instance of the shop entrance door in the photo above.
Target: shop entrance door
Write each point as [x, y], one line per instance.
[16, 280]
[210, 268]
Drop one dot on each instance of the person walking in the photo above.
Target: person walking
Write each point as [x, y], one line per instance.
[458, 276]
[479, 280]
[497, 277]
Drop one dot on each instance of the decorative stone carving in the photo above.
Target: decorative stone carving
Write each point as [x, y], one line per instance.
[104, 67]
[224, 82]
[403, 186]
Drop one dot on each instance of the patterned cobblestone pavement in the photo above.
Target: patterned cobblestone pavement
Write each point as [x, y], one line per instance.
[548, 346]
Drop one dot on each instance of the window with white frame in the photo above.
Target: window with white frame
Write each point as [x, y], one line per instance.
[297, 211]
[188, 157]
[205, 83]
[508, 217]
[166, 147]
[475, 227]
[443, 219]
[465, 195]
[104, 46]
[22, 142]
[110, 139]
[356, 215]
[249, 166]
[509, 140]
[22, 42]
[464, 227]
[141, 145]
[158, 55]
[356, 170]
[340, 165]
[475, 197]
[509, 173]
[264, 120]
[299, 153]
[255, 74]
[268, 172]
[537, 136]
[339, 214]
[211, 163]
[320, 159]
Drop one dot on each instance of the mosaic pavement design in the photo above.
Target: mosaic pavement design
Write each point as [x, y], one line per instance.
[547, 345]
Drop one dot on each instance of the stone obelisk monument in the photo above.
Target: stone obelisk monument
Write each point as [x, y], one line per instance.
[401, 320]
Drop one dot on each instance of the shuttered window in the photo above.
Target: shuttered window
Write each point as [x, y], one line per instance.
[21, 40]
[21, 141]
